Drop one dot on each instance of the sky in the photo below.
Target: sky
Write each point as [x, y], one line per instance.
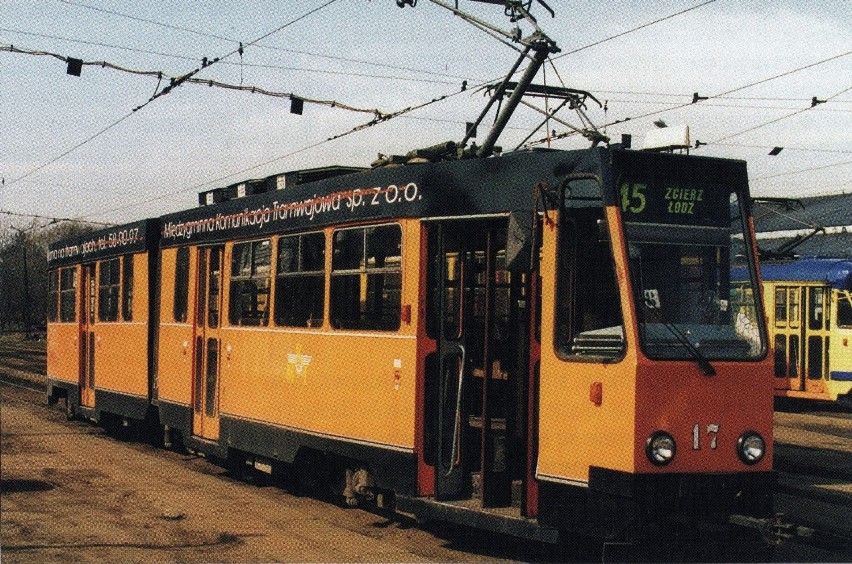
[73, 147]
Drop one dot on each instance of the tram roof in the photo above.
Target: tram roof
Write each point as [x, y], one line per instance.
[837, 273]
[461, 188]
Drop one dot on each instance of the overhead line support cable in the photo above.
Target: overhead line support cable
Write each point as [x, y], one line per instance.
[176, 83]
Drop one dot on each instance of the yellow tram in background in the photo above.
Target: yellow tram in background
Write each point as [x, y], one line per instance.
[809, 314]
[543, 343]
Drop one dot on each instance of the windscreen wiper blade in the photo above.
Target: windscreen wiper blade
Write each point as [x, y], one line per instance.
[702, 361]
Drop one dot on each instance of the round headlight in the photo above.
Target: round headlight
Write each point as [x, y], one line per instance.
[660, 448]
[751, 447]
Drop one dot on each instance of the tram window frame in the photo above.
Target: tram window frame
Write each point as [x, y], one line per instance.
[794, 306]
[127, 267]
[300, 280]
[109, 285]
[817, 307]
[53, 295]
[68, 295]
[366, 278]
[250, 283]
[781, 305]
[844, 309]
[581, 296]
[181, 294]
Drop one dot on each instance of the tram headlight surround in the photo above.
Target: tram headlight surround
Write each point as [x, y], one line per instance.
[660, 448]
[751, 447]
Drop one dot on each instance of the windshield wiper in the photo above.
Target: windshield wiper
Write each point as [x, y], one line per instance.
[702, 361]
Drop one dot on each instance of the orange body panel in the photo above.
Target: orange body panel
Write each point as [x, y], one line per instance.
[121, 357]
[63, 351]
[121, 347]
[322, 381]
[574, 433]
[175, 338]
[641, 396]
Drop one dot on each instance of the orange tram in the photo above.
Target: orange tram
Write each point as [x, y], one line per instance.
[545, 343]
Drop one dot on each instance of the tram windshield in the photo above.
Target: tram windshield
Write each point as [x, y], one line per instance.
[680, 242]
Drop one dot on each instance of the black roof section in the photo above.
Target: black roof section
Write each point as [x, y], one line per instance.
[106, 243]
[452, 188]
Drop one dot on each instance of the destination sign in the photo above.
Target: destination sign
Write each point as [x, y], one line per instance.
[647, 203]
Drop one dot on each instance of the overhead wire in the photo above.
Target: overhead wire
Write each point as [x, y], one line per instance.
[737, 89]
[259, 45]
[52, 219]
[810, 169]
[200, 81]
[157, 95]
[383, 119]
[776, 120]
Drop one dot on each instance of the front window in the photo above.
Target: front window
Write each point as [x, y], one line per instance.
[680, 240]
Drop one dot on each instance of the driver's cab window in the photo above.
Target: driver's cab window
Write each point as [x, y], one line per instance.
[589, 323]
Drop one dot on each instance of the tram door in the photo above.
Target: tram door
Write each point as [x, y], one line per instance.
[483, 366]
[205, 389]
[802, 318]
[815, 360]
[88, 289]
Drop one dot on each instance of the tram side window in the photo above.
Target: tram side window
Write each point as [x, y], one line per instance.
[250, 273]
[108, 290]
[816, 308]
[68, 294]
[53, 295]
[300, 280]
[366, 278]
[181, 302]
[780, 307]
[588, 305]
[844, 310]
[127, 288]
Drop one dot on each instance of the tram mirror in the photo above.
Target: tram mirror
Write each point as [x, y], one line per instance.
[519, 240]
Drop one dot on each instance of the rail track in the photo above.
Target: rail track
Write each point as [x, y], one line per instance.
[813, 457]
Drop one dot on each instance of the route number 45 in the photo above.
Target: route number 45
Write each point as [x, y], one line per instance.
[712, 431]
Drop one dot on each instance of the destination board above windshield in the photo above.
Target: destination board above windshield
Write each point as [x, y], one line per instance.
[646, 202]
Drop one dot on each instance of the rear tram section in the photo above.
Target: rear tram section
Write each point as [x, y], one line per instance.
[102, 322]
[546, 344]
[809, 313]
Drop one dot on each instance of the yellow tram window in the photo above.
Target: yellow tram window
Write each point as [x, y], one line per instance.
[250, 272]
[366, 278]
[68, 294]
[781, 355]
[181, 302]
[844, 309]
[127, 288]
[108, 290]
[795, 315]
[300, 280]
[816, 308]
[780, 307]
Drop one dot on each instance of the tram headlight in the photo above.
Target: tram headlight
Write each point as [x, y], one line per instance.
[751, 447]
[660, 448]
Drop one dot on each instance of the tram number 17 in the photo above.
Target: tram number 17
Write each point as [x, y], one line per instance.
[712, 430]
